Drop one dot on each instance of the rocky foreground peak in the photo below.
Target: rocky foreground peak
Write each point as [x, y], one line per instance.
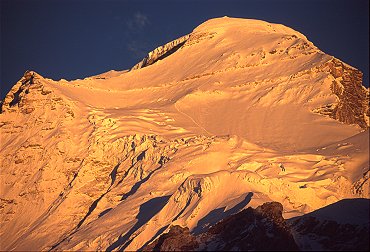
[264, 228]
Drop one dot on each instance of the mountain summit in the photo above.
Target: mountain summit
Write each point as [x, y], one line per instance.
[235, 114]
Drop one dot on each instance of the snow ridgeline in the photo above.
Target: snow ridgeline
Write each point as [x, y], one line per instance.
[161, 52]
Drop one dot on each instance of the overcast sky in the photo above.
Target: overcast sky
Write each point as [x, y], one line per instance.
[75, 39]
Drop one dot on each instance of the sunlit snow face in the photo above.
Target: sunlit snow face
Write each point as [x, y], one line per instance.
[233, 115]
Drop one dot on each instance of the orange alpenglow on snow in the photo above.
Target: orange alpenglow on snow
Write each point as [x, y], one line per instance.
[235, 114]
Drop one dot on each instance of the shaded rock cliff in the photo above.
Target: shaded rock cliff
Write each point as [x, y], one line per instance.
[335, 227]
[262, 228]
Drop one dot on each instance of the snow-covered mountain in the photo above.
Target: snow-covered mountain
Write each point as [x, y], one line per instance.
[235, 114]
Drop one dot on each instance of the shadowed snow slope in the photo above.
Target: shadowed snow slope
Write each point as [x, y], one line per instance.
[200, 129]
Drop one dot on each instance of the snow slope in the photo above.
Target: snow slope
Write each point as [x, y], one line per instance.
[201, 124]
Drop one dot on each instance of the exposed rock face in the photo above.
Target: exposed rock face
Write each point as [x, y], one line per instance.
[19, 91]
[165, 50]
[352, 106]
[341, 226]
[273, 211]
[29, 94]
[262, 228]
[332, 235]
[331, 228]
[161, 52]
[177, 239]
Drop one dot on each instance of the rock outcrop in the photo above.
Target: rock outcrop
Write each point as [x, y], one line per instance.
[161, 52]
[177, 239]
[341, 226]
[352, 105]
[262, 228]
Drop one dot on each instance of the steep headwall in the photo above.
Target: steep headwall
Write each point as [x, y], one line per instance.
[353, 105]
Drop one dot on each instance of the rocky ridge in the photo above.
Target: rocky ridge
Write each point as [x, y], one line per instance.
[161, 52]
[264, 228]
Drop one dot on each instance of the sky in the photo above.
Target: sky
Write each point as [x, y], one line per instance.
[76, 39]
